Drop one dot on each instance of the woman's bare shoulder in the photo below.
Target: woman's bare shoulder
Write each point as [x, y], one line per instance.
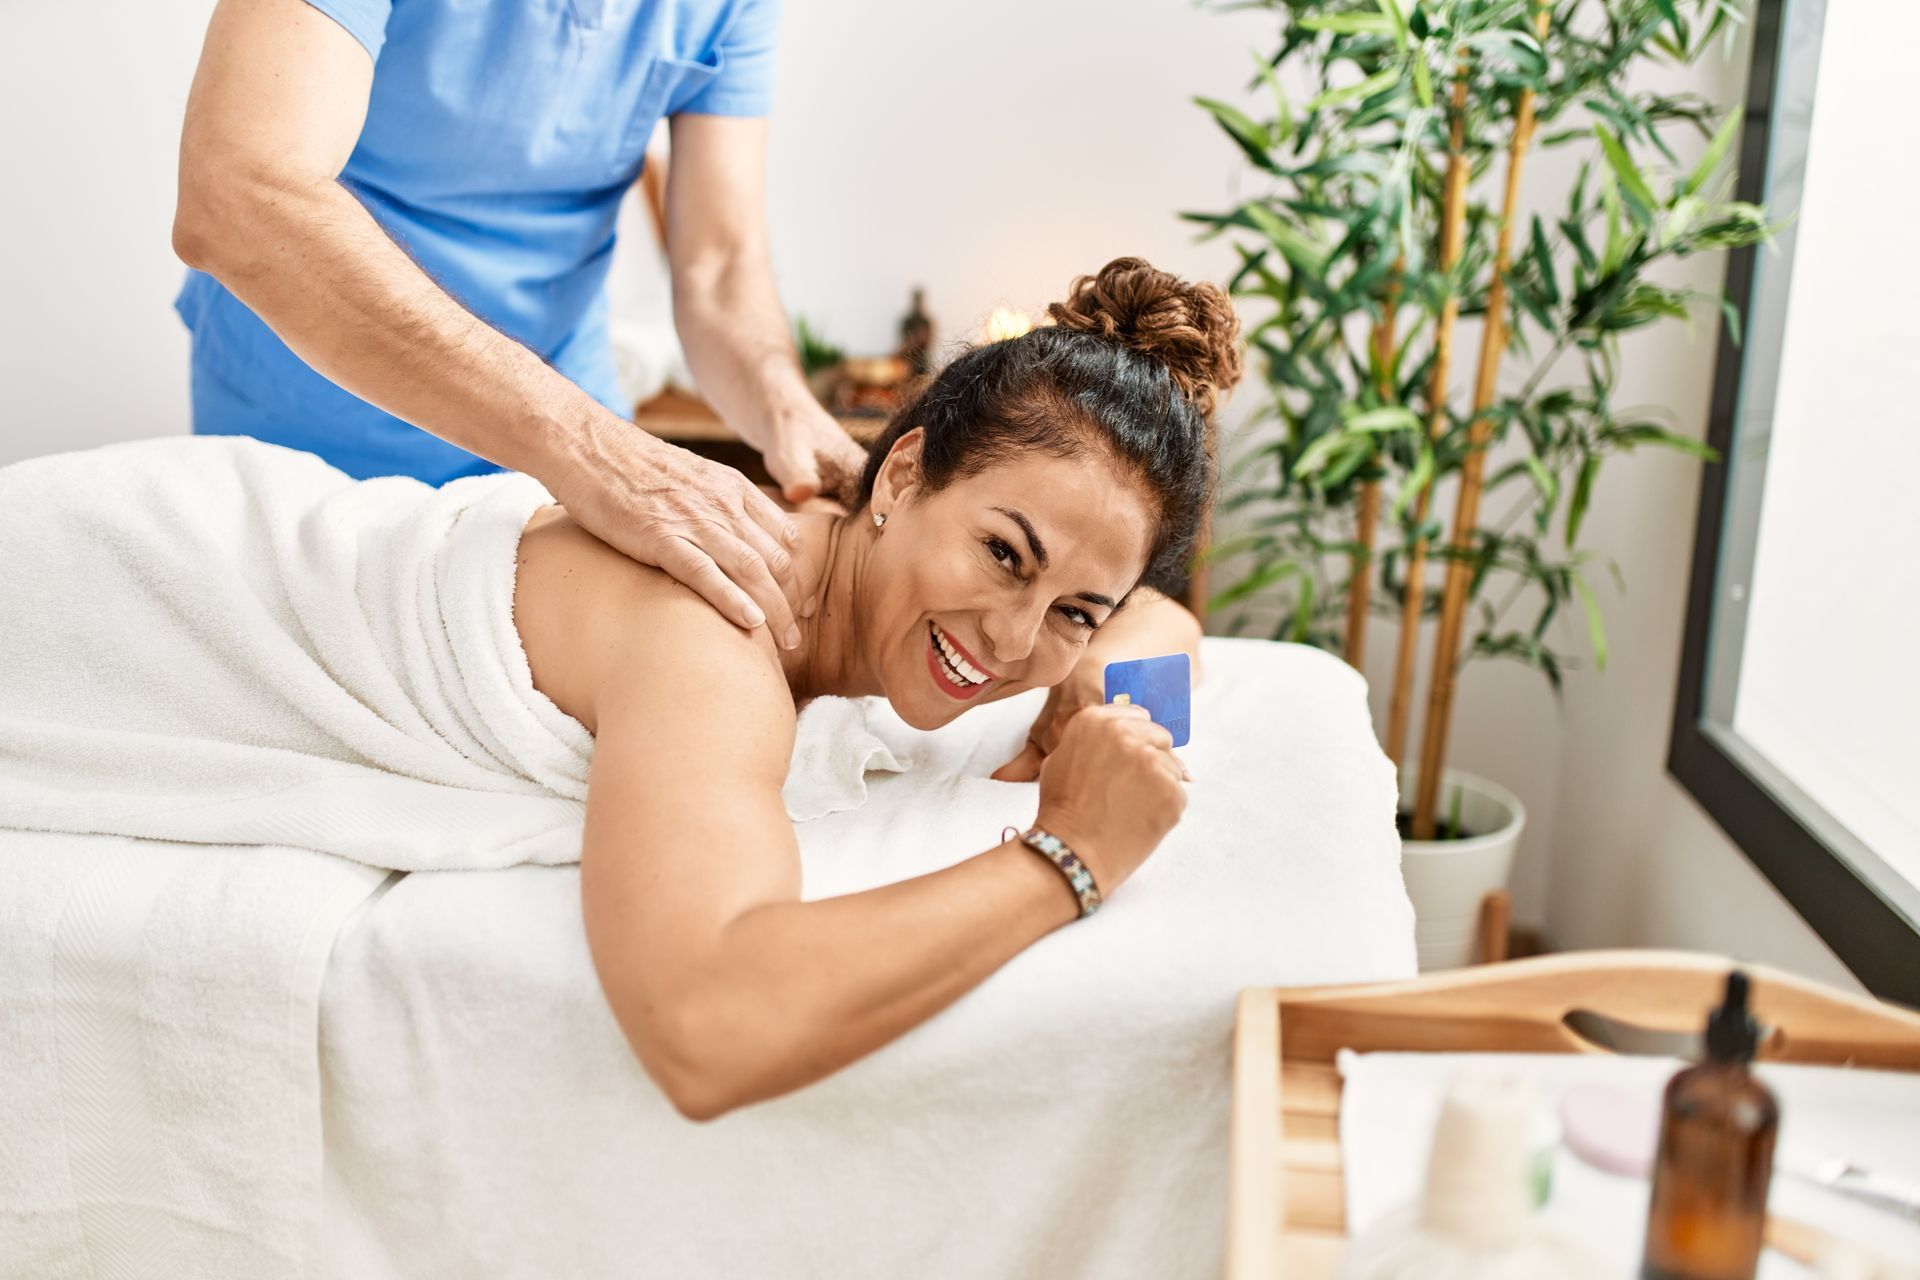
[591, 619]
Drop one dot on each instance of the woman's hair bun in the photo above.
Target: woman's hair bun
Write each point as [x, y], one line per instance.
[1191, 328]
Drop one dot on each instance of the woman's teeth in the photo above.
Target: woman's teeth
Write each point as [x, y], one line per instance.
[962, 671]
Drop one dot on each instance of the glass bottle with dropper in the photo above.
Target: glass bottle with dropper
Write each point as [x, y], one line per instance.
[1715, 1158]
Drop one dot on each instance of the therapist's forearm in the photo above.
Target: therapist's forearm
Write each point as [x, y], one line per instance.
[738, 347]
[309, 259]
[804, 988]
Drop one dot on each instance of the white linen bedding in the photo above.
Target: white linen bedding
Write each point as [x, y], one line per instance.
[1067, 1118]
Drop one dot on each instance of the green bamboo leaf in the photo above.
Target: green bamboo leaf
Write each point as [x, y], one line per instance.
[1259, 580]
[1732, 314]
[1251, 137]
[1544, 481]
[1633, 185]
[1302, 610]
[1349, 24]
[1375, 83]
[1526, 299]
[1672, 16]
[1517, 47]
[1596, 629]
[1582, 494]
[1293, 243]
[1543, 264]
[1318, 454]
[1422, 81]
[1715, 153]
[1399, 19]
[1647, 433]
[1418, 477]
[1391, 417]
[1351, 459]
[1282, 127]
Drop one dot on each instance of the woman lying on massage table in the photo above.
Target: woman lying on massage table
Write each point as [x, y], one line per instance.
[1006, 521]
[227, 643]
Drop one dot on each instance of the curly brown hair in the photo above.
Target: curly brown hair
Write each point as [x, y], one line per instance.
[1134, 361]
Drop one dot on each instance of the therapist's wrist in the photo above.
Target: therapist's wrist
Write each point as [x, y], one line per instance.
[582, 447]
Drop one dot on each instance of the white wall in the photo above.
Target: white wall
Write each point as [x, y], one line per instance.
[91, 98]
[989, 151]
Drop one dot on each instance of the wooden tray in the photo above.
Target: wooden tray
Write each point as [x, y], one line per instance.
[1286, 1200]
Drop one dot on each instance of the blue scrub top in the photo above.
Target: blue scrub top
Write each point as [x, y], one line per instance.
[500, 138]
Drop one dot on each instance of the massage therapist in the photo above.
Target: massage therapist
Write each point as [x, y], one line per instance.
[400, 215]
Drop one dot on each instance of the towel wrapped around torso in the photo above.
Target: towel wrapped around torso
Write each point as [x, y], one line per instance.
[221, 641]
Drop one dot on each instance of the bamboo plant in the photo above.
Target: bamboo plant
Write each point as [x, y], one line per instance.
[1389, 140]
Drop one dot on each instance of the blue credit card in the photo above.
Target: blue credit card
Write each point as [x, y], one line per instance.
[1164, 686]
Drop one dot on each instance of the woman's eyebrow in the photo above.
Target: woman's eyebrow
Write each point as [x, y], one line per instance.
[1040, 554]
[1026, 527]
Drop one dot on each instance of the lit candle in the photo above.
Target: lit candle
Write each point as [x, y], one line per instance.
[1006, 323]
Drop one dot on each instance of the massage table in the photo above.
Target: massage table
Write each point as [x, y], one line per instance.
[464, 1105]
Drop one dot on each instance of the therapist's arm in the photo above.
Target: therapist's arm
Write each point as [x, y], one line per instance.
[728, 313]
[277, 105]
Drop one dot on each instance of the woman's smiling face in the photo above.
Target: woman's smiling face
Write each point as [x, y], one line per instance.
[994, 584]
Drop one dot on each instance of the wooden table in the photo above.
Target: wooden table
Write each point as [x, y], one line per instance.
[1286, 1198]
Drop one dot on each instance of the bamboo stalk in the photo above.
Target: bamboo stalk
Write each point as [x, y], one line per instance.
[1360, 580]
[1453, 220]
[1466, 514]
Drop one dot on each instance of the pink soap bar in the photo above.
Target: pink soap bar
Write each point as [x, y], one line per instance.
[1610, 1128]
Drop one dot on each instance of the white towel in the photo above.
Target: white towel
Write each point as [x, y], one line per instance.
[159, 1008]
[216, 643]
[225, 642]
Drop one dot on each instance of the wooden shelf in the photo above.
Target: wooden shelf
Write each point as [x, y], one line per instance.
[683, 418]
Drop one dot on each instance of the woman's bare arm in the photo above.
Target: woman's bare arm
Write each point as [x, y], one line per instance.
[728, 987]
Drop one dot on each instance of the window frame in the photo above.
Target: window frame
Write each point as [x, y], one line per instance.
[1779, 829]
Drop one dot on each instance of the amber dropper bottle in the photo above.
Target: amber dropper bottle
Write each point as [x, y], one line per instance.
[1715, 1158]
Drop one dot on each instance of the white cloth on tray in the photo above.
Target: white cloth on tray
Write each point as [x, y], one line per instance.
[1389, 1103]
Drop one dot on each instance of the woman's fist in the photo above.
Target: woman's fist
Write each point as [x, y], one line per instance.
[1111, 789]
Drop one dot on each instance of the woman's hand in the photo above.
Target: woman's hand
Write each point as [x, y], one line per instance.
[1084, 688]
[1111, 790]
[1148, 626]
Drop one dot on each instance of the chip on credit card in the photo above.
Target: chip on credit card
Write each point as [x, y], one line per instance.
[1164, 686]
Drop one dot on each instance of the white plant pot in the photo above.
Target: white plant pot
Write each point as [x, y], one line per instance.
[1447, 879]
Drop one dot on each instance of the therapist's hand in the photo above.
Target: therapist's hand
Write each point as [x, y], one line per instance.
[811, 455]
[698, 520]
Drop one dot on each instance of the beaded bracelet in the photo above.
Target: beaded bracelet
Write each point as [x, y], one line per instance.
[1055, 850]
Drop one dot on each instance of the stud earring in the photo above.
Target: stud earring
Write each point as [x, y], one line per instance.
[879, 521]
